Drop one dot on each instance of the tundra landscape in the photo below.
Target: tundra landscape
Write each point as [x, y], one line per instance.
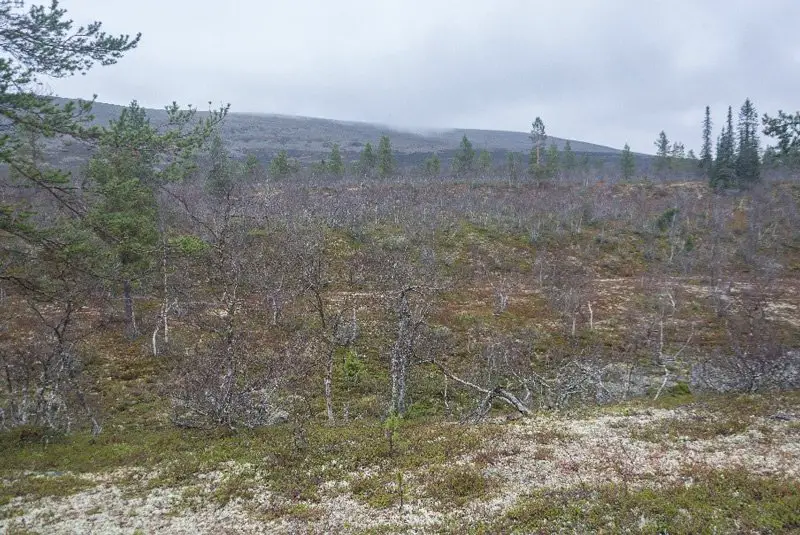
[222, 322]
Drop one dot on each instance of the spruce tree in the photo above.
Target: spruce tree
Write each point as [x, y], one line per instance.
[568, 158]
[464, 161]
[552, 162]
[485, 163]
[663, 153]
[724, 175]
[279, 167]
[748, 163]
[336, 164]
[627, 163]
[367, 161]
[386, 163]
[706, 157]
[220, 173]
[433, 166]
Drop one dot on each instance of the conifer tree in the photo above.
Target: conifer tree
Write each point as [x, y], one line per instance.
[485, 163]
[538, 138]
[663, 153]
[433, 166]
[706, 156]
[367, 161]
[724, 175]
[568, 158]
[220, 173]
[552, 161]
[627, 163]
[279, 167]
[513, 165]
[386, 163]
[748, 162]
[464, 160]
[335, 163]
[785, 127]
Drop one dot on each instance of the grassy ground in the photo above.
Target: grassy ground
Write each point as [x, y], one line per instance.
[683, 465]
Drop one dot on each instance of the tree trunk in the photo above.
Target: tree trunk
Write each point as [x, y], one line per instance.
[328, 386]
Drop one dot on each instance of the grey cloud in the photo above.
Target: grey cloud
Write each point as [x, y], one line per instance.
[605, 72]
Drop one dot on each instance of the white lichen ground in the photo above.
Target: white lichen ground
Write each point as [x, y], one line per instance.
[548, 452]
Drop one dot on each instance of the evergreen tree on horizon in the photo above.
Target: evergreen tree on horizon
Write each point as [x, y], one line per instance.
[724, 175]
[748, 160]
[627, 163]
[386, 163]
[706, 155]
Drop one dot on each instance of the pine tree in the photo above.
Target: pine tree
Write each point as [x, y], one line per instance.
[386, 163]
[785, 127]
[220, 173]
[706, 157]
[724, 175]
[748, 162]
[336, 164]
[367, 161]
[663, 153]
[552, 161]
[627, 163]
[485, 163]
[279, 167]
[538, 138]
[252, 168]
[464, 160]
[568, 159]
[40, 42]
[433, 166]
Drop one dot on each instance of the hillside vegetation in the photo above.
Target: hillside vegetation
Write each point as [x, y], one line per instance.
[191, 341]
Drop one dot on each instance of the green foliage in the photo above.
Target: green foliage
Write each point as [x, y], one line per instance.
[716, 502]
[667, 219]
[663, 153]
[391, 425]
[724, 173]
[220, 174]
[785, 127]
[367, 161]
[386, 163]
[42, 42]
[552, 161]
[464, 159]
[457, 486]
[188, 245]
[748, 160]
[433, 166]
[627, 163]
[44, 486]
[354, 368]
[485, 162]
[569, 162]
[538, 138]
[280, 167]
[706, 157]
[335, 163]
[125, 178]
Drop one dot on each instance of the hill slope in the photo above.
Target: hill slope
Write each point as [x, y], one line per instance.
[265, 134]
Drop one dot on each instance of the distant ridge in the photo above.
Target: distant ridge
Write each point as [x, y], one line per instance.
[265, 134]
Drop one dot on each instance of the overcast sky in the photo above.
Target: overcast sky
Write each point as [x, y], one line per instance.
[601, 71]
